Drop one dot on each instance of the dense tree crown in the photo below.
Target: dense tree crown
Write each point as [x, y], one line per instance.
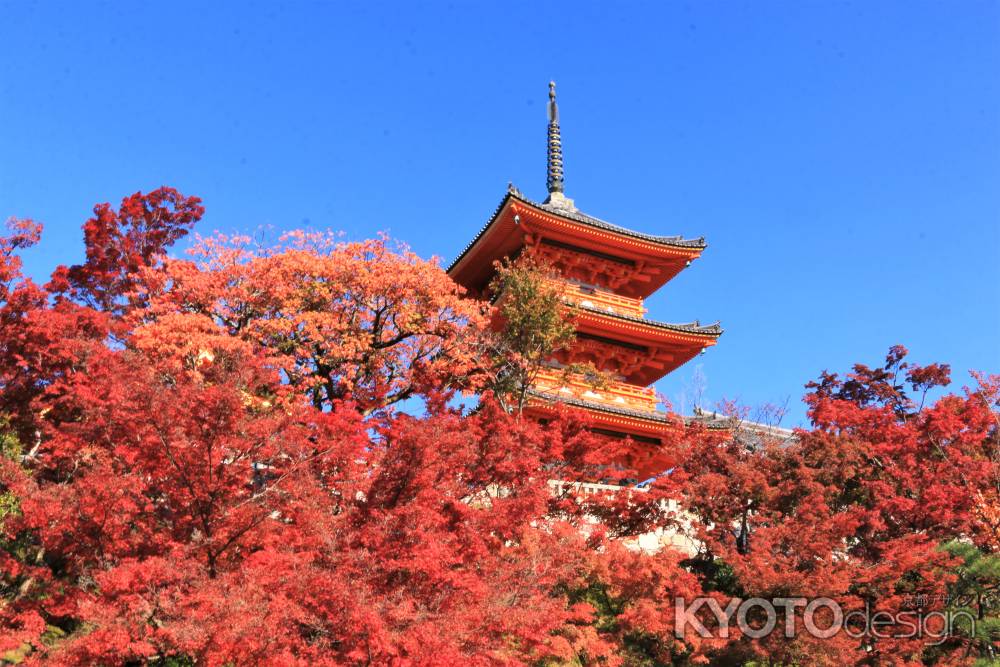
[202, 462]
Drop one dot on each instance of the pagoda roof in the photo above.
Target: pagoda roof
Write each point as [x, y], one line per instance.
[714, 330]
[706, 418]
[676, 250]
[580, 216]
[648, 349]
[646, 428]
[711, 420]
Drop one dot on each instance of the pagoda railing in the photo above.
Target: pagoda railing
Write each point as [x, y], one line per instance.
[563, 487]
[612, 392]
[601, 299]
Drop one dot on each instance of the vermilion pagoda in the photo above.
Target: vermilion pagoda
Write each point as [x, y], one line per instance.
[605, 271]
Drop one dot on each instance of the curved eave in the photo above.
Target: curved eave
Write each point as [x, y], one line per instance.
[482, 232]
[640, 328]
[646, 457]
[628, 421]
[669, 346]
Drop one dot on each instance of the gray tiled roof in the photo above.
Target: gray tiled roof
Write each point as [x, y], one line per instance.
[716, 420]
[710, 420]
[690, 327]
[514, 193]
[705, 418]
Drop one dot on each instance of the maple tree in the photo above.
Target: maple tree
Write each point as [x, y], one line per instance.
[359, 321]
[121, 242]
[202, 462]
[855, 509]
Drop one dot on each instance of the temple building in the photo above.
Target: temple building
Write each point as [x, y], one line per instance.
[605, 272]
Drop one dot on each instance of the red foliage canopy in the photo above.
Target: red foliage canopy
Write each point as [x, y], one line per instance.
[202, 462]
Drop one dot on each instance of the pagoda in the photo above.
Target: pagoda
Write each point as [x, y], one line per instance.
[604, 272]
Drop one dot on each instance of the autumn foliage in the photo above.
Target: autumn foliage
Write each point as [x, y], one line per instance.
[205, 461]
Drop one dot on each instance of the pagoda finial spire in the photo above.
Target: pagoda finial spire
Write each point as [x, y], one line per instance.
[554, 172]
[555, 161]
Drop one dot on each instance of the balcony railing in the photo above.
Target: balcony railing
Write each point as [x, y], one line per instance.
[560, 487]
[612, 393]
[601, 299]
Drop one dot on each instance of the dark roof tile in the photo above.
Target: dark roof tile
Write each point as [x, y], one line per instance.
[603, 407]
[690, 327]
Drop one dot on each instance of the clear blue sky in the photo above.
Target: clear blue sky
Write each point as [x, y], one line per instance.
[842, 159]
